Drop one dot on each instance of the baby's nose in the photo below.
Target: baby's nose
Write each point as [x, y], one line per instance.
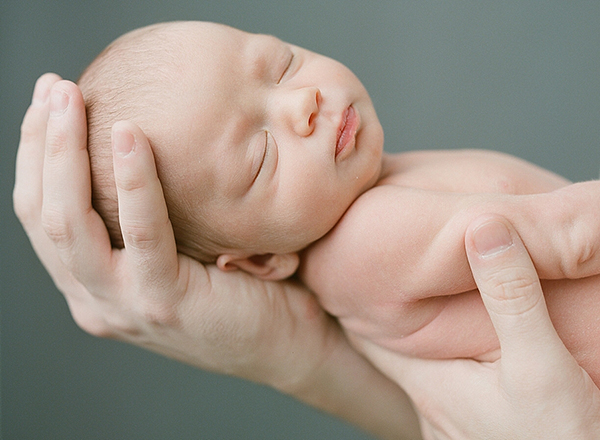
[303, 108]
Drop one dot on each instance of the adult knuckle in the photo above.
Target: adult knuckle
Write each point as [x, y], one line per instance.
[29, 130]
[26, 211]
[91, 322]
[143, 235]
[94, 327]
[130, 182]
[56, 224]
[105, 324]
[56, 144]
[514, 287]
[139, 235]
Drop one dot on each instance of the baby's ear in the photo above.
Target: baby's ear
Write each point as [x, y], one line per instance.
[271, 267]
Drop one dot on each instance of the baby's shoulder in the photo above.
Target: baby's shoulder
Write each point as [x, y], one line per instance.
[471, 171]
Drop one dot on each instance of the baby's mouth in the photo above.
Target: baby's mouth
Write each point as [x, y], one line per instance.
[347, 132]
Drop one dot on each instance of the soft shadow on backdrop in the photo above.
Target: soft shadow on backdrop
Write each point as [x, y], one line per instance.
[515, 76]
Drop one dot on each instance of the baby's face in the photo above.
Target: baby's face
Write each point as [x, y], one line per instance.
[274, 142]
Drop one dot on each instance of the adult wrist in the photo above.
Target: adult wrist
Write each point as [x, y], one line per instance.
[348, 386]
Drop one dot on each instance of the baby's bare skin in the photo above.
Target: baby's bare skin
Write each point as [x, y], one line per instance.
[394, 269]
[299, 161]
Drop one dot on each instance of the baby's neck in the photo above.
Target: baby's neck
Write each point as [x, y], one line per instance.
[388, 167]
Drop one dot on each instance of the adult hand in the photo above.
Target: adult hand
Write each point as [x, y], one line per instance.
[536, 390]
[149, 295]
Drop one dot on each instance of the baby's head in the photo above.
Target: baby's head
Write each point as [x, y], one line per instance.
[261, 146]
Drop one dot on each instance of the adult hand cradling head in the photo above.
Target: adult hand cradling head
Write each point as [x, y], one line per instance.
[275, 332]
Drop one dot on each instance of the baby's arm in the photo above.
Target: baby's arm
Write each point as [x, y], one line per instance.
[400, 251]
[422, 232]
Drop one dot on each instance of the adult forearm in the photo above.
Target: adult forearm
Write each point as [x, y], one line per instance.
[348, 386]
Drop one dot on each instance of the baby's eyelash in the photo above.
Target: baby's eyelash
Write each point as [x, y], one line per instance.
[287, 67]
[262, 162]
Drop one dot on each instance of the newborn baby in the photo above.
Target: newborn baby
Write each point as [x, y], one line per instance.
[271, 160]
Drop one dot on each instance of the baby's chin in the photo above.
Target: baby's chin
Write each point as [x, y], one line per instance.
[375, 175]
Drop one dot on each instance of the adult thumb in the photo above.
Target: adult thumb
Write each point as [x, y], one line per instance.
[510, 288]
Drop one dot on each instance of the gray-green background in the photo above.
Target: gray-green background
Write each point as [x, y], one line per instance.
[517, 76]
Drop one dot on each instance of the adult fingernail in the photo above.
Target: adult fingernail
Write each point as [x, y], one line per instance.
[492, 238]
[123, 142]
[59, 101]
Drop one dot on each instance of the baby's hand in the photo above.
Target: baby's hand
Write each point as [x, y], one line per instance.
[568, 222]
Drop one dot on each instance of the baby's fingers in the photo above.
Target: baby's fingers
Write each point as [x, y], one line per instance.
[144, 221]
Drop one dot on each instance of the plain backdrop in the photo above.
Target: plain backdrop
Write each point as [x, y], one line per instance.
[516, 76]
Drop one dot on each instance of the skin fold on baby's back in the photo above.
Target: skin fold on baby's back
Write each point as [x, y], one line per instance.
[376, 273]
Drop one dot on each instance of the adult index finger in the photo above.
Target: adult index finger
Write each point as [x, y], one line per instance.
[143, 217]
